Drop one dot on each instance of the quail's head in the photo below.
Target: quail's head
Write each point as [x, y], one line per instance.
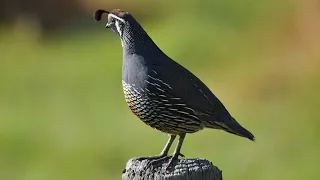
[118, 20]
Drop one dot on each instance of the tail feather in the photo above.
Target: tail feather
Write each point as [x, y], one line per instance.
[245, 133]
[231, 126]
[237, 129]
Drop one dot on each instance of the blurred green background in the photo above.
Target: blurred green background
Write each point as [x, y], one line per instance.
[62, 111]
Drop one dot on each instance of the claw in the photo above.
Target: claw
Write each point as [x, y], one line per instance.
[172, 160]
[155, 162]
[151, 157]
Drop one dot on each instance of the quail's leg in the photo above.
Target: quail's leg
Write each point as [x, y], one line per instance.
[164, 152]
[176, 151]
[173, 158]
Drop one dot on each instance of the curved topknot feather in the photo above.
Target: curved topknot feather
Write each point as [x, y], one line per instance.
[98, 14]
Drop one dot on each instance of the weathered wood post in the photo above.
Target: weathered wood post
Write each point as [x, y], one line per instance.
[184, 169]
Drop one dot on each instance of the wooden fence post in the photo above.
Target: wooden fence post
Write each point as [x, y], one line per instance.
[184, 169]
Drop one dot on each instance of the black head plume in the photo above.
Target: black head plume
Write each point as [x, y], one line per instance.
[98, 14]
[120, 22]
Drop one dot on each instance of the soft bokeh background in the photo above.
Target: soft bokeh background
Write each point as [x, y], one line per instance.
[62, 111]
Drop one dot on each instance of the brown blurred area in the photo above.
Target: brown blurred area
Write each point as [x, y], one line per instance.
[292, 51]
[49, 16]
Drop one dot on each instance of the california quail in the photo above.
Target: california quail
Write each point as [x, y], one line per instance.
[161, 92]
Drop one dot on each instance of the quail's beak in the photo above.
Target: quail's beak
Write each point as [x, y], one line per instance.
[108, 25]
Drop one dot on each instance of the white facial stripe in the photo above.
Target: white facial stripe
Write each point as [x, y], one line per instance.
[116, 17]
[118, 28]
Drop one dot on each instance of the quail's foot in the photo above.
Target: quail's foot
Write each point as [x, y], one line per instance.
[159, 156]
[174, 158]
[159, 161]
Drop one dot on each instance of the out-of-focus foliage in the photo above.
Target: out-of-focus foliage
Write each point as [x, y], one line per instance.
[63, 115]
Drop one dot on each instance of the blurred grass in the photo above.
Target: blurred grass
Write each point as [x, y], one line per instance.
[63, 115]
